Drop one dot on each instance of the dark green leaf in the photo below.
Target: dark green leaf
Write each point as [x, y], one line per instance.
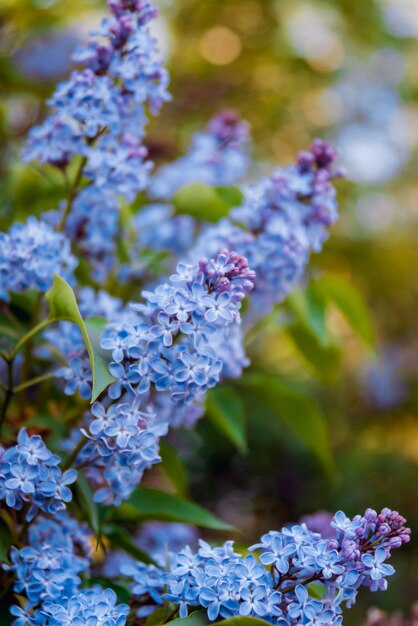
[157, 505]
[325, 359]
[298, 410]
[120, 538]
[161, 615]
[309, 306]
[63, 306]
[349, 301]
[244, 621]
[205, 202]
[226, 410]
[3, 554]
[89, 507]
[197, 618]
[174, 468]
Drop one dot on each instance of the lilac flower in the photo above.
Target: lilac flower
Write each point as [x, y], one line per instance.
[29, 473]
[377, 569]
[88, 606]
[30, 255]
[283, 218]
[227, 584]
[99, 113]
[161, 360]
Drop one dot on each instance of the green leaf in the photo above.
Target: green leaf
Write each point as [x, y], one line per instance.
[233, 196]
[349, 301]
[174, 468]
[157, 505]
[225, 408]
[205, 202]
[244, 621]
[317, 591]
[63, 306]
[3, 554]
[197, 618]
[88, 506]
[325, 359]
[161, 615]
[309, 306]
[298, 410]
[102, 378]
[120, 538]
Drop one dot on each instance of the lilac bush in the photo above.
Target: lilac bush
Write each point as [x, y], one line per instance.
[90, 308]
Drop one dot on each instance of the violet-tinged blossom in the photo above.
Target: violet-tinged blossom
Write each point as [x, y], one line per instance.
[163, 362]
[99, 114]
[30, 477]
[283, 219]
[217, 156]
[30, 255]
[276, 587]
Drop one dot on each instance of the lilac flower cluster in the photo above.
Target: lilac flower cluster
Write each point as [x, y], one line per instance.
[30, 254]
[47, 572]
[99, 114]
[161, 359]
[283, 218]
[30, 477]
[90, 606]
[217, 156]
[295, 567]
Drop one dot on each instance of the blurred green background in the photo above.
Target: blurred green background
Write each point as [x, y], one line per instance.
[345, 70]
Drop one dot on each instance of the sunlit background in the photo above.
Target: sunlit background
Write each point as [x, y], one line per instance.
[345, 70]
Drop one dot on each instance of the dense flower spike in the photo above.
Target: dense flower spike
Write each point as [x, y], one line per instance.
[30, 477]
[99, 114]
[162, 359]
[283, 218]
[30, 255]
[217, 156]
[277, 586]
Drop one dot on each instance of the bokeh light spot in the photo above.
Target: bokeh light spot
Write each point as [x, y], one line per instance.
[220, 45]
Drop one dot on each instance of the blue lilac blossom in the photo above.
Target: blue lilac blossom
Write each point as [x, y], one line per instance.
[30, 477]
[30, 255]
[282, 220]
[276, 585]
[162, 359]
[93, 606]
[47, 572]
[90, 606]
[49, 568]
[217, 156]
[99, 115]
